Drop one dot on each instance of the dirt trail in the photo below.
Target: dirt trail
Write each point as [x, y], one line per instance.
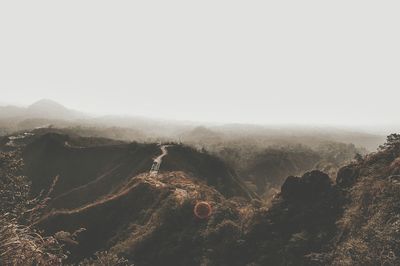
[13, 140]
[157, 161]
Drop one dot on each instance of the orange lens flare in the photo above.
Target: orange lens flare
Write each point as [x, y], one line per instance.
[202, 210]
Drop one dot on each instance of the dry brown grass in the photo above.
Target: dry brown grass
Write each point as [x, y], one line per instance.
[105, 258]
[370, 225]
[21, 245]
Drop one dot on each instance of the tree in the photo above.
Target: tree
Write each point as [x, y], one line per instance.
[392, 142]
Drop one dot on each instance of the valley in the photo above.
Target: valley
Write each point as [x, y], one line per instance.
[137, 200]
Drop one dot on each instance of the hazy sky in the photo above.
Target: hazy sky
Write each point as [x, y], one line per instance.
[330, 62]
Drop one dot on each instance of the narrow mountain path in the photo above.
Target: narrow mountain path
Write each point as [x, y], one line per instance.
[14, 139]
[157, 161]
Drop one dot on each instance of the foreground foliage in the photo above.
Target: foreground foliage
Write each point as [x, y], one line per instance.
[20, 244]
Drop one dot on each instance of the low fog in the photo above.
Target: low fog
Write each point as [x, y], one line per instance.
[201, 133]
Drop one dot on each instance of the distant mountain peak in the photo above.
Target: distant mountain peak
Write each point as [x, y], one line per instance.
[50, 109]
[46, 103]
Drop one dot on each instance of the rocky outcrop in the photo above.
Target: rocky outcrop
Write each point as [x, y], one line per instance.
[347, 176]
[312, 185]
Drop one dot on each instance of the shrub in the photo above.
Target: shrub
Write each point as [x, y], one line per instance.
[20, 244]
[105, 258]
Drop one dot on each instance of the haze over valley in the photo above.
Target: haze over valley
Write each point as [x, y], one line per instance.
[209, 133]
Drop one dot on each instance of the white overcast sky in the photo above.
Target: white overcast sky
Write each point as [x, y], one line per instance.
[303, 62]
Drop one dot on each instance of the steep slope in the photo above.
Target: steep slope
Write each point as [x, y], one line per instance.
[270, 167]
[53, 154]
[150, 220]
[265, 169]
[216, 173]
[353, 222]
[369, 230]
[86, 172]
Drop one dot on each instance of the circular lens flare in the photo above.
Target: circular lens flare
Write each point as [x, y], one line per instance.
[202, 210]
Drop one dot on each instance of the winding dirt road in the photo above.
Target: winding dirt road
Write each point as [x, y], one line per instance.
[157, 161]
